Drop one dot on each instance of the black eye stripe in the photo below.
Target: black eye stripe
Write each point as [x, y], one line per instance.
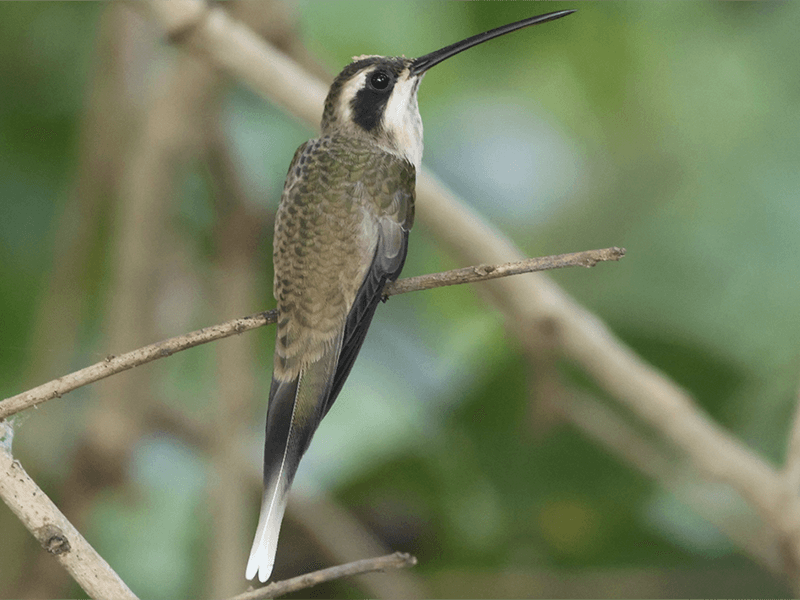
[370, 101]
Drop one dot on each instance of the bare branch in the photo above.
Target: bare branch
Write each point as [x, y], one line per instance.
[55, 533]
[237, 233]
[398, 560]
[589, 258]
[343, 537]
[116, 364]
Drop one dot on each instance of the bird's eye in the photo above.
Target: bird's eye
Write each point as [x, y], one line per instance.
[379, 80]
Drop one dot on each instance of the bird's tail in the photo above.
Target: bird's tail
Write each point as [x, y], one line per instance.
[295, 410]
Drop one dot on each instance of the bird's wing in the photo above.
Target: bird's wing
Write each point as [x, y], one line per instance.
[390, 255]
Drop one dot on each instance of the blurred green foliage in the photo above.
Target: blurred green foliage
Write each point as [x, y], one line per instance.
[669, 128]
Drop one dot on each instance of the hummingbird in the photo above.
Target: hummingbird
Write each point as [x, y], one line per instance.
[341, 234]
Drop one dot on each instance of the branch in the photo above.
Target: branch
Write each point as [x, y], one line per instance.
[589, 258]
[231, 45]
[398, 560]
[116, 364]
[55, 533]
[237, 231]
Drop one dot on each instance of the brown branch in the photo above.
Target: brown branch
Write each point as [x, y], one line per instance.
[589, 258]
[106, 126]
[116, 364]
[398, 560]
[238, 231]
[55, 533]
[343, 537]
[227, 43]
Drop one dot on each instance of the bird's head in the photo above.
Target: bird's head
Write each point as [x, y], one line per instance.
[376, 96]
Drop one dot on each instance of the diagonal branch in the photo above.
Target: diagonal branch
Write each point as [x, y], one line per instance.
[116, 364]
[398, 560]
[55, 533]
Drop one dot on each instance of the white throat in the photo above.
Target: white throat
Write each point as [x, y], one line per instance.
[402, 121]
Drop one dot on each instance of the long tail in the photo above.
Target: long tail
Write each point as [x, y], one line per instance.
[295, 410]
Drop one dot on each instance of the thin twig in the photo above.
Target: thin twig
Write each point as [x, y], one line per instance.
[115, 364]
[588, 258]
[398, 560]
[55, 533]
[343, 537]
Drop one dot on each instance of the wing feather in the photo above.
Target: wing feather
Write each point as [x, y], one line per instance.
[359, 319]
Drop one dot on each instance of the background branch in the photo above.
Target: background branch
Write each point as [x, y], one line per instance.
[600, 423]
[791, 467]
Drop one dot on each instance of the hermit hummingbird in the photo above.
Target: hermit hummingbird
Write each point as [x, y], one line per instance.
[341, 233]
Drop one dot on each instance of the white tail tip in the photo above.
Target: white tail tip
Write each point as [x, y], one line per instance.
[265, 544]
[260, 564]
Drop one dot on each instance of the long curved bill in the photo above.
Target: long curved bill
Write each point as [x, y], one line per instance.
[423, 63]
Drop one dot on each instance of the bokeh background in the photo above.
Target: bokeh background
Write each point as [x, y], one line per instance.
[137, 189]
